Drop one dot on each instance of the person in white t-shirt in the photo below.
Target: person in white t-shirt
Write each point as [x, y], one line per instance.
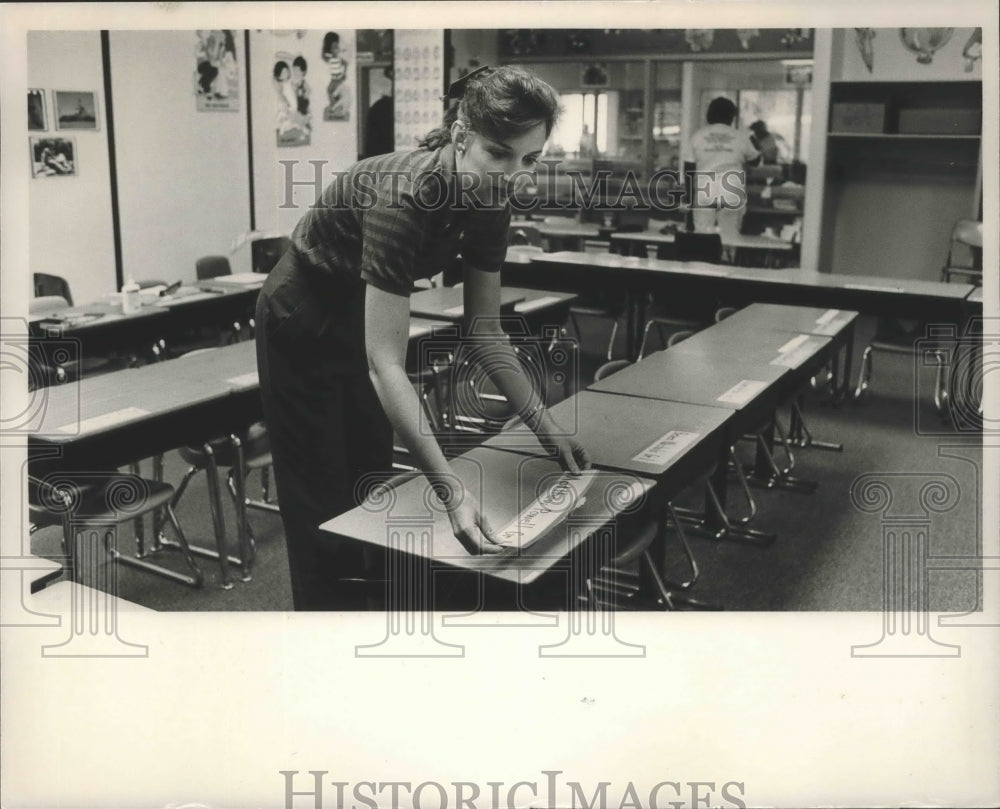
[719, 198]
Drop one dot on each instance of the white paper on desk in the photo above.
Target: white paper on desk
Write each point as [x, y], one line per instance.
[104, 420]
[241, 278]
[793, 359]
[454, 311]
[742, 392]
[552, 506]
[794, 343]
[873, 287]
[666, 447]
[244, 380]
[827, 316]
[538, 303]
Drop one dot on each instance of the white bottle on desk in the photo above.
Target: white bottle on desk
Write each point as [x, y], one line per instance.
[130, 297]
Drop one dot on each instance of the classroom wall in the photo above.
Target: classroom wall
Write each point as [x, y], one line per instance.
[892, 220]
[70, 228]
[891, 61]
[468, 44]
[333, 145]
[182, 174]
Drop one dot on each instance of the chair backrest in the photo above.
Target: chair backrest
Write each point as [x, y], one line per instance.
[610, 368]
[265, 253]
[46, 304]
[524, 235]
[678, 336]
[46, 285]
[723, 312]
[968, 232]
[212, 267]
[698, 247]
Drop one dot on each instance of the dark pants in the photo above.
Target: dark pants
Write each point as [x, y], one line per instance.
[326, 426]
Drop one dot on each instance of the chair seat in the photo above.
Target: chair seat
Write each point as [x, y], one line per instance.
[108, 497]
[634, 547]
[256, 444]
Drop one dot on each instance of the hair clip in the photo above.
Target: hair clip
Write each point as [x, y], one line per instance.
[457, 88]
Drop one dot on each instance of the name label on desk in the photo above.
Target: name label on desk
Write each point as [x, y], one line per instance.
[794, 343]
[666, 447]
[538, 303]
[244, 380]
[831, 321]
[827, 316]
[554, 504]
[742, 392]
[454, 311]
[105, 420]
[793, 359]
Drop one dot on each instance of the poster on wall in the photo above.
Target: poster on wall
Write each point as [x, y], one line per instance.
[216, 75]
[338, 94]
[75, 110]
[419, 83]
[36, 111]
[53, 157]
[291, 85]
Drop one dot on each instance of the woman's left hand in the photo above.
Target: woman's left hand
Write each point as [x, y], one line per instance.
[569, 452]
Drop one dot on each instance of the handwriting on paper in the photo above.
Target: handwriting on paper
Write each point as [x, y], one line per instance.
[551, 506]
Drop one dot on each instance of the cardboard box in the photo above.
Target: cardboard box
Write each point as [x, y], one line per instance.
[935, 121]
[857, 117]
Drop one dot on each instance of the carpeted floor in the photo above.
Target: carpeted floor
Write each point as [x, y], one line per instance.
[828, 555]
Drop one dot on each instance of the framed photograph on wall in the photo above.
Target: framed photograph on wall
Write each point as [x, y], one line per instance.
[75, 109]
[595, 74]
[53, 157]
[36, 111]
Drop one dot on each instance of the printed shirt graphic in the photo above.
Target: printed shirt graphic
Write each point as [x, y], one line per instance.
[719, 148]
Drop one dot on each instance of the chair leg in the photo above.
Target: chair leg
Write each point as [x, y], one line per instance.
[941, 392]
[742, 478]
[194, 580]
[237, 475]
[802, 437]
[865, 374]
[265, 484]
[611, 342]
[218, 523]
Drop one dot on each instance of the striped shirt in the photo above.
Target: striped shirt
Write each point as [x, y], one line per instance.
[389, 220]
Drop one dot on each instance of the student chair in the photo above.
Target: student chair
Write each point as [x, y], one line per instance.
[243, 454]
[893, 338]
[693, 247]
[212, 267]
[634, 580]
[85, 503]
[965, 253]
[47, 285]
[521, 234]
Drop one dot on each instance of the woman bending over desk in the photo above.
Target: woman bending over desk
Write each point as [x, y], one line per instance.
[333, 315]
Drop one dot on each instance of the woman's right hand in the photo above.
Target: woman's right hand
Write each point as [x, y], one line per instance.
[472, 529]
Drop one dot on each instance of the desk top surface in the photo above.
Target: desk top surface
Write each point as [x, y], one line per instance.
[976, 296]
[862, 283]
[786, 349]
[628, 433]
[446, 303]
[575, 258]
[801, 319]
[567, 228]
[100, 404]
[710, 377]
[740, 241]
[510, 488]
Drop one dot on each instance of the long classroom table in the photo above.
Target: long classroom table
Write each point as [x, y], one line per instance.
[637, 243]
[636, 278]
